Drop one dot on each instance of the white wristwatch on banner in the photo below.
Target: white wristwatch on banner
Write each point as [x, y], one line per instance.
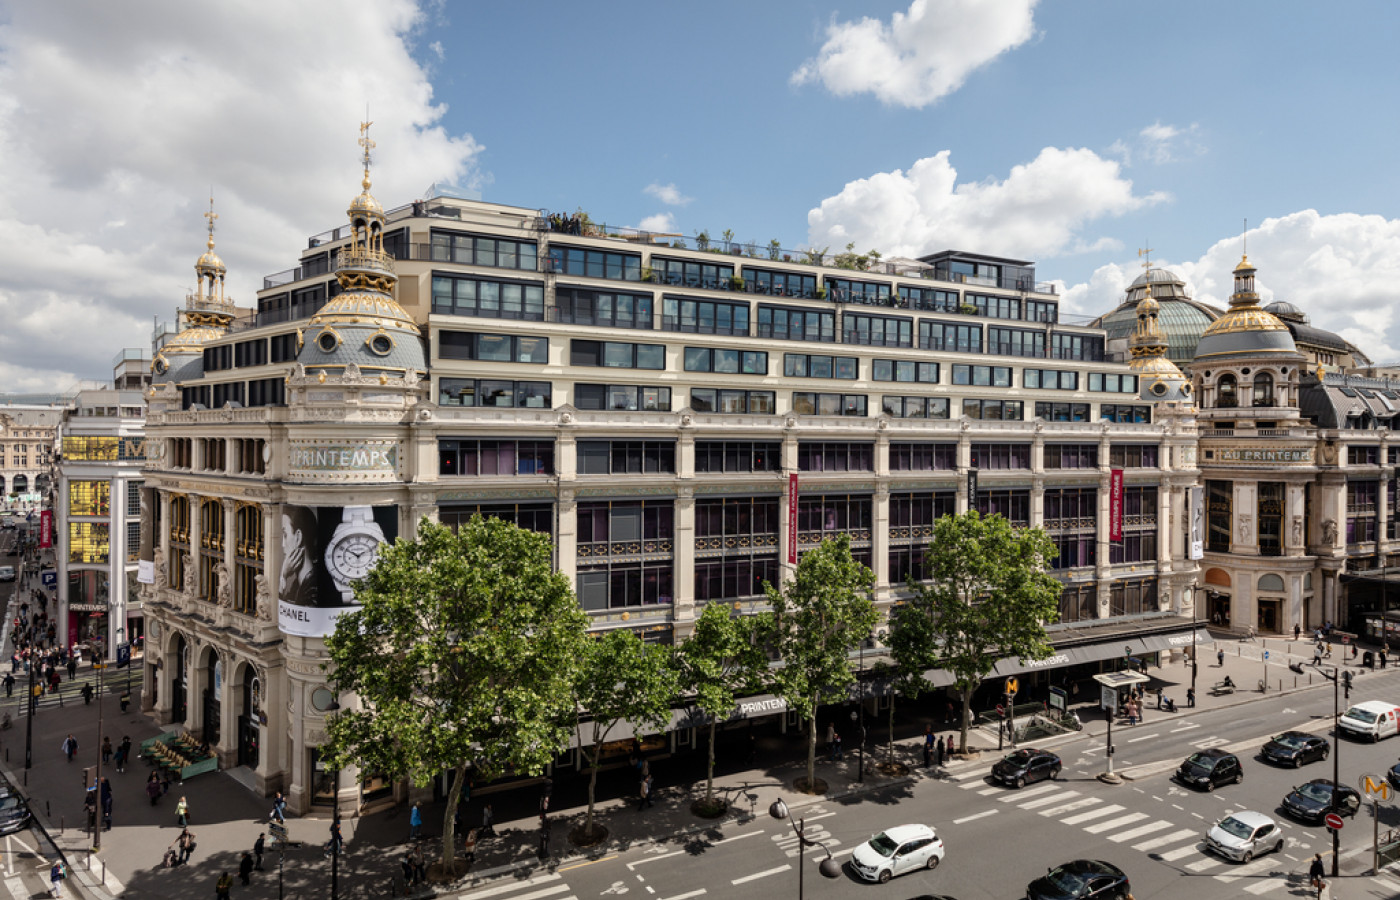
[353, 549]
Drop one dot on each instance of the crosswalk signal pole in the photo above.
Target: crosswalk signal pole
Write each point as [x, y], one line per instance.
[29, 719]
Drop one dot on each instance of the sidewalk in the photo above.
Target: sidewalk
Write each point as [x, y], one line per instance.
[226, 817]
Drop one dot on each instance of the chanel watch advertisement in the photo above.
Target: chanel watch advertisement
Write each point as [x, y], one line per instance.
[325, 550]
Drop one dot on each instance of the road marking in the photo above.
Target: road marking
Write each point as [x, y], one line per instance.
[997, 789]
[981, 815]
[589, 862]
[1145, 737]
[1202, 864]
[1207, 743]
[1092, 814]
[1165, 839]
[1173, 855]
[633, 865]
[687, 896]
[763, 874]
[737, 837]
[1269, 884]
[1101, 827]
[1030, 792]
[1062, 795]
[1184, 728]
[1139, 831]
[505, 888]
[1069, 807]
[1251, 868]
[16, 887]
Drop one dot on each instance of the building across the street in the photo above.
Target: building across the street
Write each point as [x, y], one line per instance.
[27, 435]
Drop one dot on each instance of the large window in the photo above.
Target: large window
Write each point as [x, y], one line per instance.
[595, 263]
[995, 307]
[267, 392]
[737, 456]
[1219, 501]
[806, 365]
[1122, 412]
[624, 554]
[1113, 384]
[1361, 511]
[1001, 456]
[89, 498]
[1071, 456]
[1133, 598]
[835, 456]
[537, 517]
[928, 299]
[491, 392]
[1270, 518]
[789, 324]
[1133, 456]
[704, 316]
[622, 397]
[921, 457]
[492, 347]
[736, 546]
[997, 410]
[722, 400]
[617, 354]
[468, 456]
[821, 517]
[1079, 602]
[1062, 412]
[982, 376]
[1050, 379]
[688, 273]
[459, 296]
[870, 293]
[733, 362]
[806, 403]
[1088, 347]
[904, 370]
[626, 457]
[1071, 515]
[1363, 456]
[915, 407]
[1004, 341]
[248, 557]
[877, 331]
[250, 353]
[88, 542]
[581, 306]
[912, 516]
[948, 336]
[779, 284]
[483, 251]
[1139, 544]
[1012, 504]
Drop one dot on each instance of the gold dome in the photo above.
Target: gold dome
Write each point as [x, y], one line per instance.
[366, 307]
[210, 262]
[1249, 318]
[191, 340]
[365, 205]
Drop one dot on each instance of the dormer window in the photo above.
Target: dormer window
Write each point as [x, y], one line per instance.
[1227, 393]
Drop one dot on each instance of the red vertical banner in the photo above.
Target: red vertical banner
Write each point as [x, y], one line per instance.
[1115, 504]
[792, 519]
[46, 528]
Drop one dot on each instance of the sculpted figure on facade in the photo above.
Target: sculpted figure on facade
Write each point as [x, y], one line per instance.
[1329, 532]
[264, 607]
[159, 559]
[1244, 529]
[225, 594]
[191, 576]
[1297, 531]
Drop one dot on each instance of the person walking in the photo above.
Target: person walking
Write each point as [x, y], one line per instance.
[415, 823]
[1220, 658]
[87, 692]
[407, 864]
[547, 788]
[73, 668]
[182, 812]
[105, 792]
[1315, 872]
[258, 847]
[223, 886]
[487, 817]
[153, 788]
[56, 876]
[245, 867]
[420, 865]
[10, 682]
[70, 747]
[645, 791]
[186, 844]
[124, 753]
[279, 808]
[929, 740]
[106, 750]
[336, 845]
[1297, 631]
[939, 744]
[1190, 697]
[950, 747]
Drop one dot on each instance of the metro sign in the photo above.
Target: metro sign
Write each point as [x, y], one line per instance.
[1376, 789]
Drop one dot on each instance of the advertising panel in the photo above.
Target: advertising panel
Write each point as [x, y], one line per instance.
[1115, 504]
[792, 520]
[146, 555]
[325, 550]
[46, 529]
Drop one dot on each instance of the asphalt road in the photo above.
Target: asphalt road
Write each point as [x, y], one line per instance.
[999, 839]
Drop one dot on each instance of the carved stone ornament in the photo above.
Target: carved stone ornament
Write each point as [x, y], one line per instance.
[264, 607]
[566, 418]
[1329, 531]
[225, 595]
[1297, 531]
[352, 372]
[687, 420]
[1244, 529]
[160, 568]
[191, 575]
[1329, 453]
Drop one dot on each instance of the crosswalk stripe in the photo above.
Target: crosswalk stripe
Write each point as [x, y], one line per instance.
[991, 790]
[506, 888]
[1062, 795]
[1140, 831]
[1092, 814]
[1166, 839]
[543, 892]
[1070, 807]
[1029, 792]
[1178, 853]
[16, 888]
[1114, 823]
[1268, 884]
[1204, 863]
[1254, 867]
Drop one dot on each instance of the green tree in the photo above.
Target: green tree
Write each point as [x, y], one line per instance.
[814, 623]
[913, 647]
[988, 597]
[619, 678]
[463, 651]
[720, 659]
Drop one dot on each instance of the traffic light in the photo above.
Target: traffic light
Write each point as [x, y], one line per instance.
[1346, 685]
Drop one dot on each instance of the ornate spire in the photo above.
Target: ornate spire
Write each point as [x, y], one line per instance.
[210, 271]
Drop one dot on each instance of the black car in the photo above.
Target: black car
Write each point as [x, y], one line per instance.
[1311, 801]
[1024, 766]
[1393, 776]
[14, 814]
[1294, 748]
[1209, 768]
[1083, 878]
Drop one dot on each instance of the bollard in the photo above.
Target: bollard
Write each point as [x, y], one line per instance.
[60, 824]
[47, 812]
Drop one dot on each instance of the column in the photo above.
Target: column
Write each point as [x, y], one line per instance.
[880, 541]
[192, 585]
[230, 549]
[566, 541]
[785, 511]
[963, 461]
[1245, 538]
[1294, 523]
[683, 561]
[1168, 498]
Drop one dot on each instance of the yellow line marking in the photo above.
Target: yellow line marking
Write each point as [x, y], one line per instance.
[586, 863]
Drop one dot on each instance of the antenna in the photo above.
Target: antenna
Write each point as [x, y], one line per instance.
[1245, 237]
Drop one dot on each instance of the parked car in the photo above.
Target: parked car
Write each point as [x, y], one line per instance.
[14, 814]
[1025, 766]
[1242, 836]
[895, 851]
[1311, 801]
[1393, 776]
[1079, 880]
[7, 573]
[1294, 748]
[1210, 768]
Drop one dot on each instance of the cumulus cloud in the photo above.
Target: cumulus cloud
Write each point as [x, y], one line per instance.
[668, 194]
[113, 134]
[920, 55]
[1341, 270]
[1038, 210]
[661, 223]
[1160, 144]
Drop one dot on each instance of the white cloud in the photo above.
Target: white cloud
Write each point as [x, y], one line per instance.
[1160, 144]
[1038, 210]
[113, 133]
[668, 194]
[661, 223]
[1342, 270]
[921, 55]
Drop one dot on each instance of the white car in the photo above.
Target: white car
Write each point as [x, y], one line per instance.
[895, 851]
[1242, 836]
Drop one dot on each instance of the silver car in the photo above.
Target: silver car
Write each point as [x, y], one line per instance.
[896, 851]
[1242, 836]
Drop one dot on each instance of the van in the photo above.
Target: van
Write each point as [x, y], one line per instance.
[1373, 719]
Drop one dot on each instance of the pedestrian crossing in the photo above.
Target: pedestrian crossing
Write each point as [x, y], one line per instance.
[1164, 839]
[549, 886]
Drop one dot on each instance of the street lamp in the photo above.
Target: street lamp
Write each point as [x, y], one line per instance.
[829, 867]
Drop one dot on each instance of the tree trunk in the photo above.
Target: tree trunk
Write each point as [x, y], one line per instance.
[891, 755]
[710, 772]
[592, 787]
[966, 715]
[449, 819]
[812, 752]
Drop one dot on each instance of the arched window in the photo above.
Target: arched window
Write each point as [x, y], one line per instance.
[1227, 394]
[1263, 389]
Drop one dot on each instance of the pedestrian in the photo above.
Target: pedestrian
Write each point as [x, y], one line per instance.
[153, 788]
[223, 886]
[1220, 657]
[645, 791]
[10, 680]
[1382, 657]
[929, 740]
[1190, 697]
[1131, 709]
[420, 865]
[87, 691]
[72, 668]
[70, 747]
[186, 844]
[124, 753]
[245, 867]
[258, 847]
[1317, 653]
[839, 754]
[950, 747]
[407, 864]
[336, 844]
[948, 713]
[830, 738]
[56, 875]
[279, 808]
[105, 792]
[106, 750]
[939, 744]
[548, 788]
[487, 817]
[1297, 631]
[182, 812]
[415, 822]
[90, 807]
[1315, 872]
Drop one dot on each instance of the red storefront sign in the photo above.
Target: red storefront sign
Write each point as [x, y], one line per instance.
[46, 528]
[1115, 504]
[792, 519]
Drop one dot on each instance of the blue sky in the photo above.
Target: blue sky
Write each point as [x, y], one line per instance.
[1070, 133]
